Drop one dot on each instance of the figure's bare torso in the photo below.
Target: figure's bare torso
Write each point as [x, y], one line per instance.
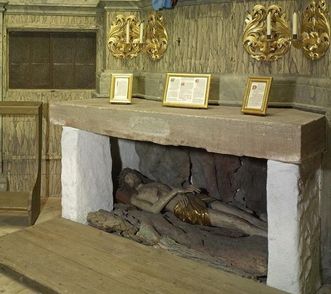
[153, 192]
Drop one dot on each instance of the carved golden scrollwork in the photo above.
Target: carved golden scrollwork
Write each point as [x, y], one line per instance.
[315, 30]
[156, 37]
[255, 38]
[126, 37]
[124, 43]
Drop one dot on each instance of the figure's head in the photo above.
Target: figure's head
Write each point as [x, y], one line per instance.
[129, 178]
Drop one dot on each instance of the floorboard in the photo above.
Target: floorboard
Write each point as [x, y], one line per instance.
[66, 257]
[12, 222]
[9, 283]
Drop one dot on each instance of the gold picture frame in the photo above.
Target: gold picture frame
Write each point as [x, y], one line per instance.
[121, 88]
[256, 95]
[186, 90]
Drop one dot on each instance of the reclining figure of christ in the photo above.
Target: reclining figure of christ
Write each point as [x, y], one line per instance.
[187, 204]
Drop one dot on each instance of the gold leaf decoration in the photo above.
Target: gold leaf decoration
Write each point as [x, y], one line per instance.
[117, 37]
[315, 30]
[255, 39]
[156, 37]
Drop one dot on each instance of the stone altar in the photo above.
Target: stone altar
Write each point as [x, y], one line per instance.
[291, 140]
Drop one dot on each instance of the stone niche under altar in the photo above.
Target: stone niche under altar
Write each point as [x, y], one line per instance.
[286, 147]
[237, 182]
[240, 181]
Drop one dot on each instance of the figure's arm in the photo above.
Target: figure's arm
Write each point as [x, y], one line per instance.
[158, 205]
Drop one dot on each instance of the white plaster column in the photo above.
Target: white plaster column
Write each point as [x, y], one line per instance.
[86, 174]
[293, 226]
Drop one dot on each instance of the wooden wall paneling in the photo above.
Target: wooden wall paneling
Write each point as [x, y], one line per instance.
[19, 130]
[19, 169]
[100, 42]
[2, 45]
[21, 173]
[27, 200]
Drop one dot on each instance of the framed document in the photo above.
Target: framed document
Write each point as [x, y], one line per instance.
[257, 95]
[187, 90]
[121, 88]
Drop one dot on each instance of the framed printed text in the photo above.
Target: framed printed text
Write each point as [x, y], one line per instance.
[256, 95]
[121, 88]
[187, 90]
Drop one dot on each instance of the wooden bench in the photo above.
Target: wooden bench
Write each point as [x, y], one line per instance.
[25, 202]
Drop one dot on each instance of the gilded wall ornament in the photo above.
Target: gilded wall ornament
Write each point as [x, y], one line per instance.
[267, 36]
[255, 40]
[123, 39]
[127, 37]
[156, 37]
[315, 30]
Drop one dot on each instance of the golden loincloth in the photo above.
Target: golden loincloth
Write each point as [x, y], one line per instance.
[195, 212]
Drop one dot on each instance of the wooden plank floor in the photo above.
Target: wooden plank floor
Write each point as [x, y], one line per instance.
[51, 208]
[11, 286]
[67, 257]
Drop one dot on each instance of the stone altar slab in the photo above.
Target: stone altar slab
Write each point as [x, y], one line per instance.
[285, 134]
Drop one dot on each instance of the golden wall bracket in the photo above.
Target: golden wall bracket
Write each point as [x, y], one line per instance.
[265, 44]
[120, 43]
[156, 37]
[128, 38]
[256, 42]
[315, 36]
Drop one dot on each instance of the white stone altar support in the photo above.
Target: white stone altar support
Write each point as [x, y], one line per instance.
[294, 226]
[86, 174]
[291, 140]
